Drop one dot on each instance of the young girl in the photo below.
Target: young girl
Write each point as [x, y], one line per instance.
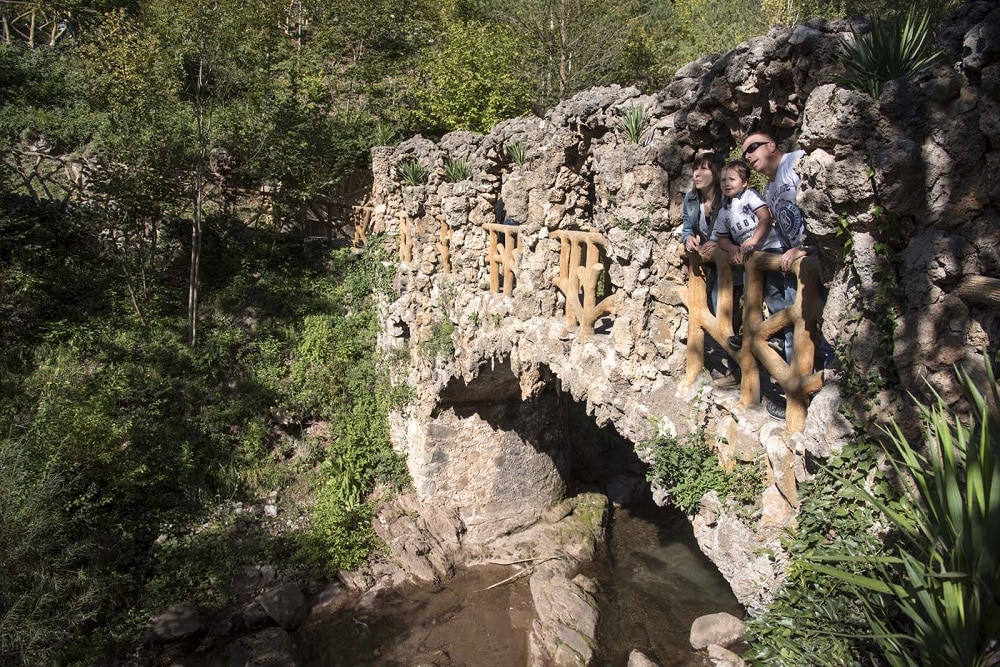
[744, 225]
[701, 207]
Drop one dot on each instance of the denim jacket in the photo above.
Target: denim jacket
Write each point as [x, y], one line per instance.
[692, 216]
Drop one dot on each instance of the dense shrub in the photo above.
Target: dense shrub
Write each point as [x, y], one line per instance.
[116, 433]
[688, 468]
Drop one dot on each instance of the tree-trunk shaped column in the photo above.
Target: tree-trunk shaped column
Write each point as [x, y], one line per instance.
[405, 238]
[718, 326]
[362, 225]
[798, 379]
[502, 253]
[580, 271]
[444, 245]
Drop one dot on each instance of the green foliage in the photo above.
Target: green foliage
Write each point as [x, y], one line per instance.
[634, 119]
[517, 152]
[473, 79]
[412, 172]
[111, 427]
[685, 30]
[48, 592]
[943, 576]
[566, 47]
[199, 565]
[45, 96]
[342, 532]
[894, 48]
[640, 228]
[457, 169]
[816, 619]
[688, 468]
[440, 343]
[900, 574]
[789, 13]
[384, 134]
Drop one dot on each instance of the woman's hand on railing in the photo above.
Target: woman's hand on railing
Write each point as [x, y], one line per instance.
[691, 243]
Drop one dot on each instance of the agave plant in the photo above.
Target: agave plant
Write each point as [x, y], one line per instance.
[635, 118]
[411, 172]
[456, 169]
[517, 152]
[894, 48]
[384, 134]
[944, 578]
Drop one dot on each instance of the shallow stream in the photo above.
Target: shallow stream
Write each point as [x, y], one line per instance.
[654, 583]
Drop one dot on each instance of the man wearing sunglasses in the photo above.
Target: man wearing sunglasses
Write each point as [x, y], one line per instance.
[761, 152]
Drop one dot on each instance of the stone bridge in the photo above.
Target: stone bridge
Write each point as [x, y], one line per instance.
[536, 346]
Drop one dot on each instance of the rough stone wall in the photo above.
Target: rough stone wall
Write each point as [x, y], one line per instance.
[927, 151]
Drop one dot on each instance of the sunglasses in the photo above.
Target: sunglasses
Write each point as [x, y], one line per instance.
[754, 146]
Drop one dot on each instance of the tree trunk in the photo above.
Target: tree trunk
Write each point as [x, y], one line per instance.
[199, 190]
[564, 55]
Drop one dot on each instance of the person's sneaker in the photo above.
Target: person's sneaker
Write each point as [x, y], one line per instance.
[735, 342]
[776, 410]
[725, 380]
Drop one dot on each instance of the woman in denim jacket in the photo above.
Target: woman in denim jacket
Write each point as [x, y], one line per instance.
[701, 207]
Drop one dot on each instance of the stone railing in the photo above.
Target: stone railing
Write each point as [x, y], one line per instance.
[502, 256]
[798, 378]
[580, 271]
[362, 219]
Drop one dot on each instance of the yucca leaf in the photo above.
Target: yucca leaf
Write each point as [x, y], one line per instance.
[891, 49]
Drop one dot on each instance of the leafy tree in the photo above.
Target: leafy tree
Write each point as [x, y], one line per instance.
[473, 79]
[223, 52]
[580, 43]
[683, 31]
[788, 12]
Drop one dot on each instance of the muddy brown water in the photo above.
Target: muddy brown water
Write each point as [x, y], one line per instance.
[461, 622]
[654, 582]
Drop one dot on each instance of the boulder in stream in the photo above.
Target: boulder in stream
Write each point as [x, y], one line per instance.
[722, 629]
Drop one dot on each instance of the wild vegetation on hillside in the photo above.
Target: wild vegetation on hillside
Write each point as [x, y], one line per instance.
[169, 348]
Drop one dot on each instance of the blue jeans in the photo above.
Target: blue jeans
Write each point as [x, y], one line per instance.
[780, 289]
[779, 293]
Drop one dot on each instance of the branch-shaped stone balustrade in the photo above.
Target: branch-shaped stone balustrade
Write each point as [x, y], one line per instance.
[444, 245]
[362, 224]
[405, 238]
[798, 379]
[503, 257]
[580, 270]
